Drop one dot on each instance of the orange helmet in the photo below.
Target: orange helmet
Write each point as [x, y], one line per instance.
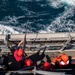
[28, 62]
[64, 57]
[20, 52]
[46, 66]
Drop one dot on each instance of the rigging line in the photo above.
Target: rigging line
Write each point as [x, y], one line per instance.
[24, 42]
[68, 42]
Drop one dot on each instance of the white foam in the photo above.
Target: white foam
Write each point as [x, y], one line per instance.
[13, 19]
[70, 2]
[60, 3]
[55, 3]
[46, 31]
[42, 31]
[61, 23]
[7, 29]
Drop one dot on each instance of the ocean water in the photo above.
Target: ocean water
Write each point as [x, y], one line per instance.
[40, 16]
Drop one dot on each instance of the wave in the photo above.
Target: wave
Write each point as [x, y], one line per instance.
[61, 3]
[43, 15]
[7, 29]
[45, 31]
[70, 2]
[63, 23]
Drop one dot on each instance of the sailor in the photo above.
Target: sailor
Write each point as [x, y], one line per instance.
[19, 44]
[18, 54]
[62, 61]
[16, 60]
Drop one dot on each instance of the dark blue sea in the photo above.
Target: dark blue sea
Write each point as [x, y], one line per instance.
[38, 16]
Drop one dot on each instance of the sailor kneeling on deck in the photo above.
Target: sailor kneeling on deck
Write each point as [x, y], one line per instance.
[61, 61]
[16, 61]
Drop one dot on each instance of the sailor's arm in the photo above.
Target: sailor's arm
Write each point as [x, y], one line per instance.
[19, 44]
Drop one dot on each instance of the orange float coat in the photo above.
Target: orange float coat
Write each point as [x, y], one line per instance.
[62, 60]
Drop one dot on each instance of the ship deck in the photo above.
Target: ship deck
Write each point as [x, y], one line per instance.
[50, 44]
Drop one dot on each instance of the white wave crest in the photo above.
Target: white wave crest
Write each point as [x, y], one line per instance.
[55, 3]
[42, 31]
[70, 2]
[7, 30]
[46, 31]
[60, 3]
[61, 23]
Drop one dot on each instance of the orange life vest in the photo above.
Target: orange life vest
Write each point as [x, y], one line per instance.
[62, 60]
